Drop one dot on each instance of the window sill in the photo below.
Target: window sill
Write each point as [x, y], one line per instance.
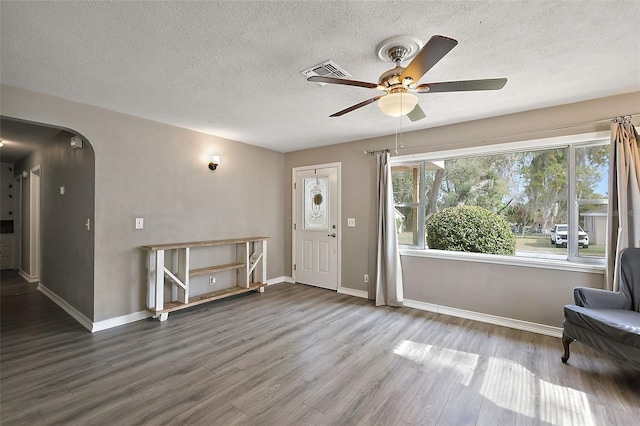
[527, 262]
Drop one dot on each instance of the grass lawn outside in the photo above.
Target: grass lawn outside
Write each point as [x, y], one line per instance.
[539, 244]
[542, 243]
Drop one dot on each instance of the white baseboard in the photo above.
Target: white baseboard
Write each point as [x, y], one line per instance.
[77, 315]
[121, 320]
[28, 278]
[86, 322]
[353, 292]
[547, 330]
[280, 280]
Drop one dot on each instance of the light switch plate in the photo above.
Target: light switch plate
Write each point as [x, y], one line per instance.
[351, 222]
[139, 223]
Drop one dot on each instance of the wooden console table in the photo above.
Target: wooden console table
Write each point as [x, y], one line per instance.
[251, 261]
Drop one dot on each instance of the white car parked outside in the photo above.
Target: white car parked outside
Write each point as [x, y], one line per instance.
[559, 236]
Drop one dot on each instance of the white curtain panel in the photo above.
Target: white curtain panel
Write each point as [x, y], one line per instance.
[624, 197]
[388, 268]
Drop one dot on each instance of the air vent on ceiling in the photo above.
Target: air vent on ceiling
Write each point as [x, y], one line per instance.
[325, 69]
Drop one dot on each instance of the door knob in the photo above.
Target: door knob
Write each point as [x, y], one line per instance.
[332, 235]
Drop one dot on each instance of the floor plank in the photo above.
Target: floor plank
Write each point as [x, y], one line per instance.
[296, 355]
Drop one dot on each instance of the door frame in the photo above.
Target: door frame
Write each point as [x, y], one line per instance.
[35, 187]
[17, 221]
[294, 170]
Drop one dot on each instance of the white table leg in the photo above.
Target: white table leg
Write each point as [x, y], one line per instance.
[159, 284]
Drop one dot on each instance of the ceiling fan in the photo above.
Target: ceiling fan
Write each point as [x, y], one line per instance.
[400, 82]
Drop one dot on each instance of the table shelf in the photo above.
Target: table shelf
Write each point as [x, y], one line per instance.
[218, 268]
[250, 267]
[207, 297]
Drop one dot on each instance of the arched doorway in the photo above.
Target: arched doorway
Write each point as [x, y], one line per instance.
[53, 211]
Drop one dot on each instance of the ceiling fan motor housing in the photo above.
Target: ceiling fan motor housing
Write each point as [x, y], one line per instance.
[391, 78]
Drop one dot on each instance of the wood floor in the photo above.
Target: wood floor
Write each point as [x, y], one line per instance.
[297, 355]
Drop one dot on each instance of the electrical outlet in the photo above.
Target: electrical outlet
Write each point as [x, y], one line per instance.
[212, 280]
[366, 278]
[351, 222]
[139, 223]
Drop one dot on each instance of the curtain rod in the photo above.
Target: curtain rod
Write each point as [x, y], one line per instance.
[374, 152]
[621, 119]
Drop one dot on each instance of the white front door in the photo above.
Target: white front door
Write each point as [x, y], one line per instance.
[316, 221]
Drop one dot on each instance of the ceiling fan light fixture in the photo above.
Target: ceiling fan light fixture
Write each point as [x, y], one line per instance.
[398, 104]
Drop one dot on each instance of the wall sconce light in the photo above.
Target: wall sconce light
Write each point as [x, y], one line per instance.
[215, 162]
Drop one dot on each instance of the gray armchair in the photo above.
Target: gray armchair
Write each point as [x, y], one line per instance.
[605, 320]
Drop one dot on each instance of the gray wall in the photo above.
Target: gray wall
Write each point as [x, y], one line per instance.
[527, 294]
[67, 247]
[159, 172]
[502, 290]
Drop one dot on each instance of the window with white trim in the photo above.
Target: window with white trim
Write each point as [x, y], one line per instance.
[554, 197]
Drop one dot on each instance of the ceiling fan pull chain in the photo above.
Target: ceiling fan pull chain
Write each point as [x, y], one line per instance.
[401, 131]
[396, 150]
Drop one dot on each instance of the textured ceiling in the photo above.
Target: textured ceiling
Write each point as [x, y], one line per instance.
[232, 69]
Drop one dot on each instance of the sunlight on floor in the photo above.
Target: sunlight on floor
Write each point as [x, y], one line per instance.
[442, 358]
[511, 386]
[506, 383]
[560, 405]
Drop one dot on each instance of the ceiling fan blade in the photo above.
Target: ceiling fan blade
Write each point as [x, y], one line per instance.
[416, 114]
[334, 80]
[431, 53]
[354, 107]
[462, 86]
